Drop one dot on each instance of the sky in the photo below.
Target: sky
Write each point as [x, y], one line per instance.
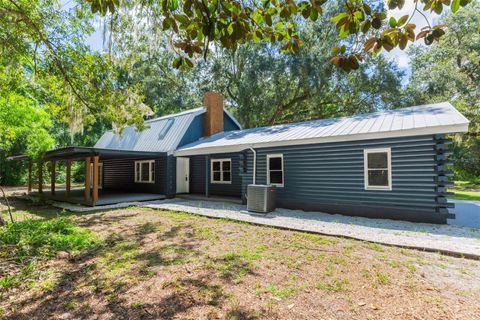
[399, 56]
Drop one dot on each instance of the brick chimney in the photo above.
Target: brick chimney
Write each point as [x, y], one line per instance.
[213, 118]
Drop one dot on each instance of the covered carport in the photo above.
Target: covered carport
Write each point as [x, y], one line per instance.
[93, 193]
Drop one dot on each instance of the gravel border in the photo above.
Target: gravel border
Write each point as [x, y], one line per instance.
[446, 239]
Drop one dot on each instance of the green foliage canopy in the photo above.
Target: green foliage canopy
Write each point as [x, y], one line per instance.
[195, 24]
[449, 70]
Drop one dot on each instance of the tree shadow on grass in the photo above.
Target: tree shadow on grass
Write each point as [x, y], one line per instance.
[94, 275]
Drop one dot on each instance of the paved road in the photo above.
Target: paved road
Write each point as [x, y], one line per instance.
[467, 214]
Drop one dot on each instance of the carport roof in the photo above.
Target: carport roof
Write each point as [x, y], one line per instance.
[77, 153]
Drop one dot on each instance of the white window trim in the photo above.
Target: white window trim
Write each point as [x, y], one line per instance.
[150, 178]
[221, 171]
[275, 155]
[389, 168]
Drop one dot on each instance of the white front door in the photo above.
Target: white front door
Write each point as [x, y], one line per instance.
[183, 175]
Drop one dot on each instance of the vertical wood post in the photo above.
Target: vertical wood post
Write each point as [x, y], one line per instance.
[87, 179]
[95, 179]
[40, 177]
[30, 176]
[52, 176]
[68, 178]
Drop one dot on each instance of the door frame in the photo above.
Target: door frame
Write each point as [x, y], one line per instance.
[183, 175]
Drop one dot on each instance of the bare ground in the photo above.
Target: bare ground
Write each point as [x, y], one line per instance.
[159, 264]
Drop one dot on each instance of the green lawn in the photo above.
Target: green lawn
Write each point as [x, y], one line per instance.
[466, 190]
[466, 195]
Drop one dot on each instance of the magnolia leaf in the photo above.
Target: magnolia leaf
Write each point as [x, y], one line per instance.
[376, 23]
[392, 22]
[455, 5]
[339, 16]
[177, 62]
[402, 20]
[335, 60]
[173, 5]
[369, 44]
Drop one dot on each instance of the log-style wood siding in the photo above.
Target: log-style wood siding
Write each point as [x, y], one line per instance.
[120, 175]
[330, 177]
[198, 172]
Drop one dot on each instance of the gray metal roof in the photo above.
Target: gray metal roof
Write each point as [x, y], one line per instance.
[162, 134]
[420, 120]
[76, 153]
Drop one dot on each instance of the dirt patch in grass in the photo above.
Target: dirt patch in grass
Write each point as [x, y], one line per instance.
[157, 264]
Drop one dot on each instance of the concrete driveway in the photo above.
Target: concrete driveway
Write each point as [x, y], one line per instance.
[467, 214]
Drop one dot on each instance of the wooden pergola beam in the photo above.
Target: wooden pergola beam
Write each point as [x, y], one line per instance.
[87, 179]
[68, 178]
[95, 179]
[52, 176]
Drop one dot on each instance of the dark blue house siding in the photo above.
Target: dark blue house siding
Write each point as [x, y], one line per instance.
[329, 177]
[200, 169]
[229, 124]
[119, 174]
[195, 131]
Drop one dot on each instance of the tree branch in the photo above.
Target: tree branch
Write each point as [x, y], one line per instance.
[58, 61]
[288, 105]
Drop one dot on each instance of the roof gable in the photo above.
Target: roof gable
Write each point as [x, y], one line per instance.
[162, 134]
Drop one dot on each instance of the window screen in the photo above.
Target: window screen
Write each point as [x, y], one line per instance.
[377, 169]
[145, 171]
[221, 171]
[275, 169]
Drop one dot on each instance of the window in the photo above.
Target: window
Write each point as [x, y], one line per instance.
[378, 172]
[145, 171]
[275, 169]
[221, 171]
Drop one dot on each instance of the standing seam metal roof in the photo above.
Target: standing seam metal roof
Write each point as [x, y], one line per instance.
[148, 139]
[427, 119]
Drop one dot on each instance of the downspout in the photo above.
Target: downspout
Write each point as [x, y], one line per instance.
[207, 175]
[254, 163]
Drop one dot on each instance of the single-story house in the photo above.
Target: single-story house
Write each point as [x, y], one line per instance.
[389, 164]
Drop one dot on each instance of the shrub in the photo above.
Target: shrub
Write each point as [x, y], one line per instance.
[43, 238]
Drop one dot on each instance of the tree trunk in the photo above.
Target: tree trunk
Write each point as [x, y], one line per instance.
[8, 206]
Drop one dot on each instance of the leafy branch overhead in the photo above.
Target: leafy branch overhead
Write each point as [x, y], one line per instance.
[195, 24]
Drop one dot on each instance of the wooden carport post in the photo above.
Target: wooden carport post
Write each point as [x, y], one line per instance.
[95, 179]
[52, 173]
[30, 176]
[68, 178]
[87, 179]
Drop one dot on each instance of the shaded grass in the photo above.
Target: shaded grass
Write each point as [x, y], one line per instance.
[173, 262]
[43, 238]
[338, 285]
[281, 292]
[31, 240]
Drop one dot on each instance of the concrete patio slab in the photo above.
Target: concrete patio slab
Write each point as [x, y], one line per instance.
[447, 239]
